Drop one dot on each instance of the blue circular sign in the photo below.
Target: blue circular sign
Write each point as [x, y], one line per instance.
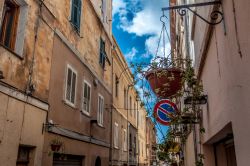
[164, 110]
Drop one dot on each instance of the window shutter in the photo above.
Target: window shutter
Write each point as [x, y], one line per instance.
[100, 110]
[79, 14]
[86, 98]
[76, 13]
[73, 88]
[102, 53]
[68, 90]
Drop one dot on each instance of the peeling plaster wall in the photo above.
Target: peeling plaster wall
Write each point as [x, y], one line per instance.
[87, 41]
[20, 123]
[15, 66]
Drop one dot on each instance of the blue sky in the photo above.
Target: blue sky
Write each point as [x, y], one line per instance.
[137, 27]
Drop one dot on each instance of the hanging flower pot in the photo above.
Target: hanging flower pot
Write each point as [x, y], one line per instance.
[55, 148]
[165, 82]
[56, 144]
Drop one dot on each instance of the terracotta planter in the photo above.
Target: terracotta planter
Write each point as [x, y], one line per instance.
[165, 82]
[55, 147]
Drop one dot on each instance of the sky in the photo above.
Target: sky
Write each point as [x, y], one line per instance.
[137, 27]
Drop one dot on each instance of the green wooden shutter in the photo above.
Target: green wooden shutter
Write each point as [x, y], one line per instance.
[79, 8]
[76, 13]
[102, 53]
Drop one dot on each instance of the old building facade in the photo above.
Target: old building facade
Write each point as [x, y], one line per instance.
[24, 87]
[151, 144]
[65, 81]
[80, 84]
[142, 151]
[126, 105]
[220, 58]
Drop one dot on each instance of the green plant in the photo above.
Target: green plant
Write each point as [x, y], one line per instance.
[199, 162]
[56, 141]
[202, 130]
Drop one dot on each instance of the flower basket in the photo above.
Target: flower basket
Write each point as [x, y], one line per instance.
[55, 144]
[165, 82]
[55, 148]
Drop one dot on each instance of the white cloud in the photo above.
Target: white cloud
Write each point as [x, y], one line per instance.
[146, 21]
[130, 55]
[151, 45]
[118, 6]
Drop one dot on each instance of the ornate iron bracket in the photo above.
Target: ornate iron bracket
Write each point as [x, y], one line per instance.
[216, 16]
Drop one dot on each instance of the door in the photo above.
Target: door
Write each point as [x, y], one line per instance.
[67, 160]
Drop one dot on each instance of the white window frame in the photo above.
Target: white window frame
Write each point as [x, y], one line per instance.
[83, 98]
[100, 116]
[125, 140]
[21, 27]
[65, 90]
[116, 135]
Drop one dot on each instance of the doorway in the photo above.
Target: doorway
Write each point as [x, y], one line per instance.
[225, 153]
[98, 161]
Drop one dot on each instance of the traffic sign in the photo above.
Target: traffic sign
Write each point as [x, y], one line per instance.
[164, 110]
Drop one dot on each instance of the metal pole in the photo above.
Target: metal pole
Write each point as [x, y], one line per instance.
[191, 5]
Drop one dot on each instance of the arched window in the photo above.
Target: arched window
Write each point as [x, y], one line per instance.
[98, 161]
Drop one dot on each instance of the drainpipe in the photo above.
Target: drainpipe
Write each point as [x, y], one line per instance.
[111, 112]
[128, 124]
[137, 123]
[128, 141]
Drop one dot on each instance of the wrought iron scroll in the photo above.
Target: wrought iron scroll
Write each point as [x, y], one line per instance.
[216, 16]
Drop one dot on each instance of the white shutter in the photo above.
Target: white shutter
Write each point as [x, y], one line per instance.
[100, 110]
[116, 135]
[70, 89]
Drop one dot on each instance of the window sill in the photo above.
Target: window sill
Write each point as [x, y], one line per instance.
[85, 114]
[116, 147]
[11, 51]
[101, 126]
[65, 102]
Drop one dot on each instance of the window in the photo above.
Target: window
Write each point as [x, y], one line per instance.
[70, 86]
[67, 159]
[135, 146]
[116, 135]
[86, 98]
[130, 142]
[139, 147]
[138, 116]
[116, 86]
[8, 31]
[23, 157]
[134, 110]
[125, 145]
[130, 105]
[142, 147]
[102, 53]
[76, 6]
[100, 110]
[103, 8]
[125, 98]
